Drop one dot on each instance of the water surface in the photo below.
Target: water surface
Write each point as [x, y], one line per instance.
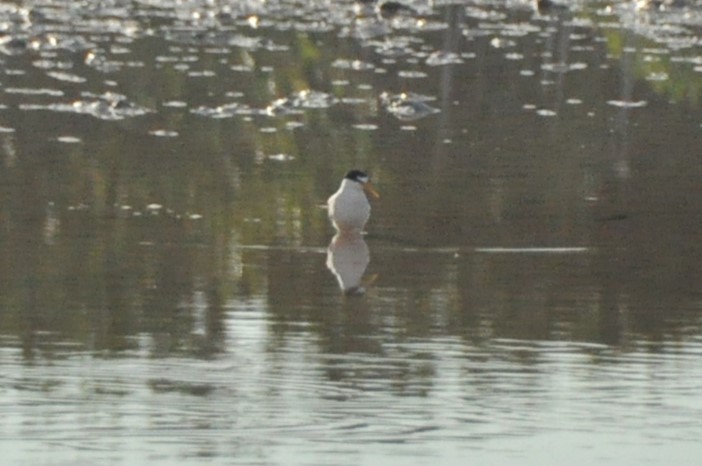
[531, 272]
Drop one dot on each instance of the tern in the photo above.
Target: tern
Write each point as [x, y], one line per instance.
[349, 208]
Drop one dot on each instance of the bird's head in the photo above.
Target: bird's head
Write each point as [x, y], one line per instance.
[362, 177]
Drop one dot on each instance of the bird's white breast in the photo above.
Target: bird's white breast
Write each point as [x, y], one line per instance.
[349, 208]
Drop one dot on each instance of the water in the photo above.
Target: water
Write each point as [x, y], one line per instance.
[527, 291]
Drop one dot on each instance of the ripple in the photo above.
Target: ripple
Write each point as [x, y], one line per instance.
[175, 104]
[163, 133]
[485, 14]
[659, 76]
[500, 43]
[366, 126]
[281, 157]
[223, 111]
[411, 74]
[356, 65]
[407, 106]
[33, 91]
[534, 250]
[545, 112]
[563, 67]
[107, 106]
[52, 64]
[295, 103]
[627, 103]
[441, 58]
[69, 139]
[101, 63]
[66, 77]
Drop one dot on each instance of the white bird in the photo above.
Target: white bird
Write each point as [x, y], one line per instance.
[349, 208]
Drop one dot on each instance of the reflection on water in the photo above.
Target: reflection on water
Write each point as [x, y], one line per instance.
[164, 295]
[347, 259]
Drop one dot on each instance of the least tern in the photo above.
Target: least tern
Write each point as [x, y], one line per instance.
[349, 208]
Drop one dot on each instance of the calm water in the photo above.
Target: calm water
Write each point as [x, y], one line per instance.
[170, 289]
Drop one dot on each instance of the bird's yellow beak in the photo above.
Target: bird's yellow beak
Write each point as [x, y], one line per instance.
[370, 189]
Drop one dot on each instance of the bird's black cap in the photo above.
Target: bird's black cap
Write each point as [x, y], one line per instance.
[357, 176]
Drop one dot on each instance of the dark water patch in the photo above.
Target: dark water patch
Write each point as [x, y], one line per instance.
[171, 386]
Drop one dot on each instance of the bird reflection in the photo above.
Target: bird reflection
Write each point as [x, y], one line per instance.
[347, 258]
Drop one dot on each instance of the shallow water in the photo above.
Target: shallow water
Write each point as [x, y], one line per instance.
[527, 291]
